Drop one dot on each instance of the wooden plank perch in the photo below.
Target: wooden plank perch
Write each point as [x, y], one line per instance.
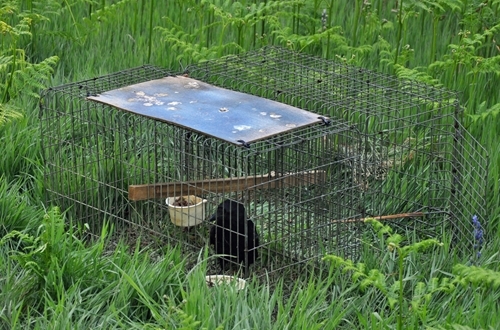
[384, 217]
[266, 181]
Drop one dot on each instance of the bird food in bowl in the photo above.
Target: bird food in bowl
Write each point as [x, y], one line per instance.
[216, 280]
[186, 211]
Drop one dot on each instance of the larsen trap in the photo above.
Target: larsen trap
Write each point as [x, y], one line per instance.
[271, 157]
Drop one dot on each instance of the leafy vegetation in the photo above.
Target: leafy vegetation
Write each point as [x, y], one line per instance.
[54, 274]
[410, 298]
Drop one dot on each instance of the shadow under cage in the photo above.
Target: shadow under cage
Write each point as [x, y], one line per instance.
[308, 147]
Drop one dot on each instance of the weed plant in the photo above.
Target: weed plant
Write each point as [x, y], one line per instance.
[410, 297]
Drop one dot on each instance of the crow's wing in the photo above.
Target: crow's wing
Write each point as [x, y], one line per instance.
[211, 239]
[254, 240]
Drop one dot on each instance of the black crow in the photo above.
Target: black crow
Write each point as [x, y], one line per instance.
[228, 234]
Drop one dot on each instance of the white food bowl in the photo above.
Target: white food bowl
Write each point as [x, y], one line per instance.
[215, 280]
[186, 216]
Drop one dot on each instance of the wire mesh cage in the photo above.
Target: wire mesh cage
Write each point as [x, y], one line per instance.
[375, 147]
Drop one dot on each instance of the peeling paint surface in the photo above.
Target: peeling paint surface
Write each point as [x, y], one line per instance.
[218, 112]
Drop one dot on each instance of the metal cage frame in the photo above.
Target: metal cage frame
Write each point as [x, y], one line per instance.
[394, 150]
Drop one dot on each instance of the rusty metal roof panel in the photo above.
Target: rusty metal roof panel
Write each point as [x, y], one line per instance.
[221, 113]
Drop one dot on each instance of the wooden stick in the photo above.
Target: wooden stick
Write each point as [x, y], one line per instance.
[384, 217]
[266, 181]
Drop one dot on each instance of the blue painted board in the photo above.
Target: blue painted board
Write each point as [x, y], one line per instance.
[218, 112]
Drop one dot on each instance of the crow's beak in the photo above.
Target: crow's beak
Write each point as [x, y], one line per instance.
[212, 218]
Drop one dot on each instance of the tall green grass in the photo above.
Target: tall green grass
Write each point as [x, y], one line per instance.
[52, 279]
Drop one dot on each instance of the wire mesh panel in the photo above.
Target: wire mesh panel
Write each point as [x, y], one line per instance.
[392, 149]
[85, 147]
[415, 155]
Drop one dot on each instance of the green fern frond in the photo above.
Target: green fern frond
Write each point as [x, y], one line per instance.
[491, 113]
[421, 246]
[9, 112]
[416, 75]
[479, 276]
[29, 78]
[378, 226]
